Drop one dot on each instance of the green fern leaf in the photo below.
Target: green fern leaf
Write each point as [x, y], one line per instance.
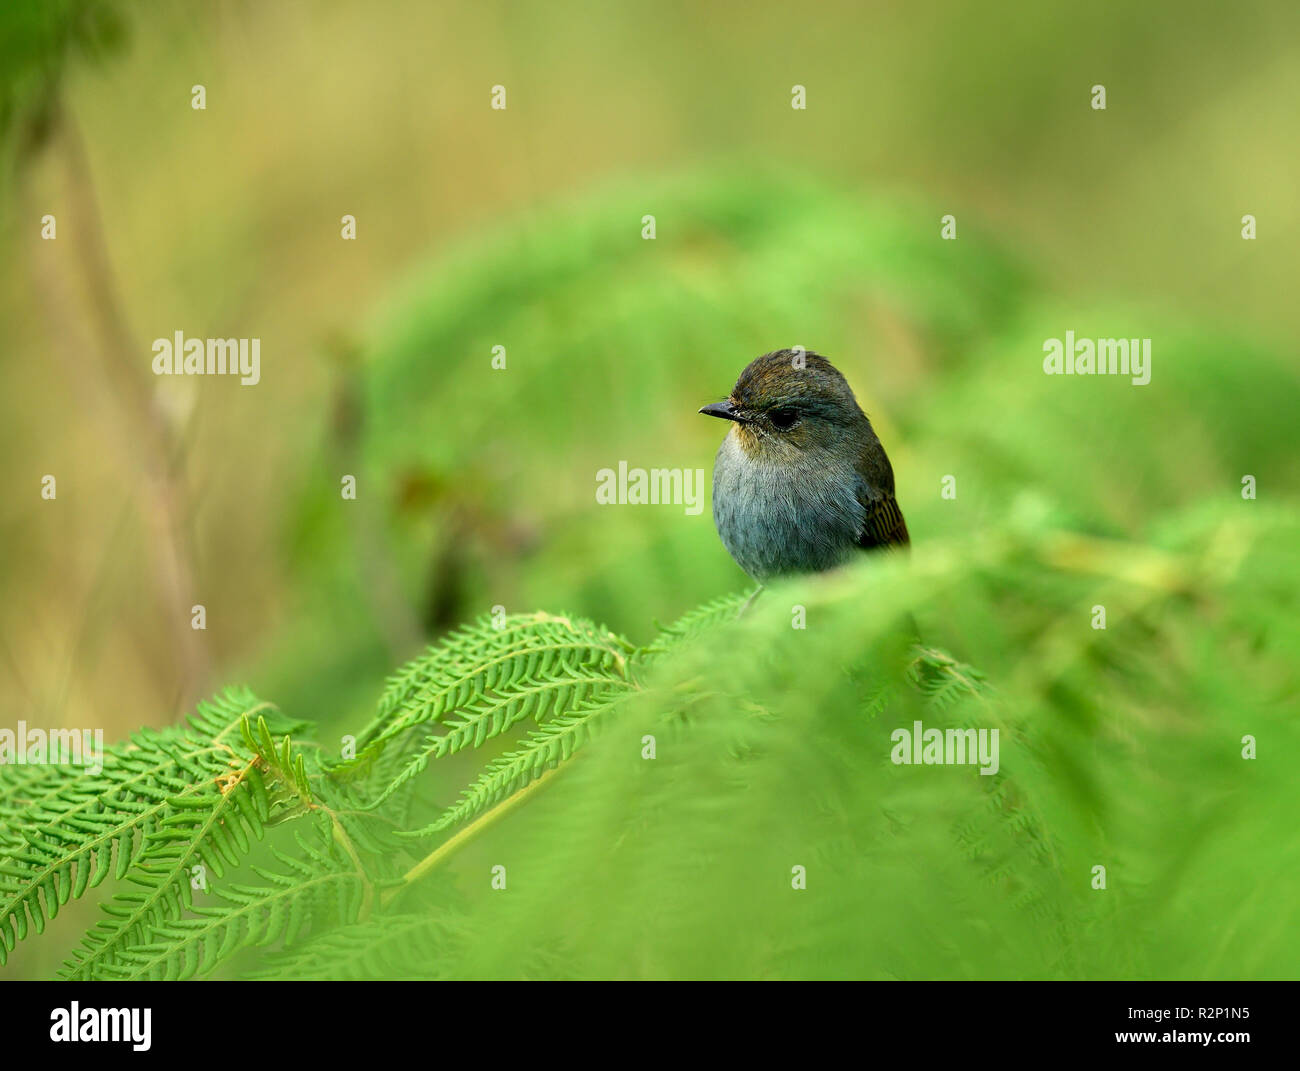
[320, 886]
[409, 946]
[689, 626]
[542, 750]
[485, 718]
[479, 682]
[943, 680]
[66, 830]
[483, 658]
[207, 824]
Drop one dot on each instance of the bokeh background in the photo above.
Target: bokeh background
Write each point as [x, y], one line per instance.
[522, 228]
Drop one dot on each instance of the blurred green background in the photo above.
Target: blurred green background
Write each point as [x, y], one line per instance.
[522, 228]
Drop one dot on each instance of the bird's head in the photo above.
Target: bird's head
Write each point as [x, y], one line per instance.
[789, 402]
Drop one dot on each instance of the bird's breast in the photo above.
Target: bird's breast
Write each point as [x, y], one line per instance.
[787, 515]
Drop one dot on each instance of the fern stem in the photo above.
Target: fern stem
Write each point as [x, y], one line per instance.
[342, 839]
[445, 850]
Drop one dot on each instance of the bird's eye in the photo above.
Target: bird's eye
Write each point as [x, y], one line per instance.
[783, 419]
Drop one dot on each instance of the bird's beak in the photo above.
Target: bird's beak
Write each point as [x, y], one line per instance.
[725, 410]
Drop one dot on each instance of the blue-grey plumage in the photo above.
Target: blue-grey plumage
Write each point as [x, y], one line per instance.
[801, 482]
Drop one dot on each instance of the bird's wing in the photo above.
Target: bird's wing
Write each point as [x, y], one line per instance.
[882, 520]
[883, 523]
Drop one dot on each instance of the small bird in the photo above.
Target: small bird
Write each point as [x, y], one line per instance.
[801, 483]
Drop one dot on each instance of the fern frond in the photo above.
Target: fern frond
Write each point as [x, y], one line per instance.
[485, 718]
[409, 946]
[280, 761]
[319, 886]
[943, 680]
[207, 825]
[21, 784]
[65, 833]
[484, 658]
[542, 749]
[482, 680]
[689, 626]
[208, 833]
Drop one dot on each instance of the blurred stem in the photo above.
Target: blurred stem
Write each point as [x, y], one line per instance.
[382, 586]
[449, 847]
[142, 434]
